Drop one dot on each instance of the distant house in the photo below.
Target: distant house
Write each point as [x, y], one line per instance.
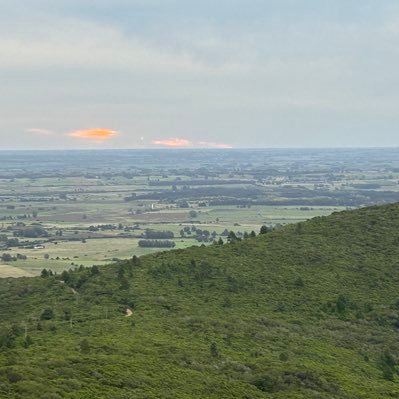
[39, 247]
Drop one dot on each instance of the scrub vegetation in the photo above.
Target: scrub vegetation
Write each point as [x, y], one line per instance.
[310, 310]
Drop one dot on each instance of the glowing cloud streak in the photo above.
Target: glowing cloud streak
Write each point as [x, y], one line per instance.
[98, 135]
[210, 144]
[185, 143]
[173, 143]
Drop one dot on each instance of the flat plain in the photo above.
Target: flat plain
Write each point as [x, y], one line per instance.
[60, 210]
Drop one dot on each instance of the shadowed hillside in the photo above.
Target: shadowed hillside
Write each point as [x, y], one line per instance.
[308, 311]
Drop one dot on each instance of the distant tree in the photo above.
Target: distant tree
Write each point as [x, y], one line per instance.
[156, 244]
[252, 234]
[84, 346]
[7, 257]
[232, 237]
[67, 315]
[124, 283]
[44, 273]
[47, 314]
[12, 242]
[299, 282]
[135, 260]
[264, 230]
[158, 235]
[341, 303]
[28, 341]
[193, 214]
[65, 276]
[299, 228]
[220, 241]
[214, 350]
[121, 272]
[46, 256]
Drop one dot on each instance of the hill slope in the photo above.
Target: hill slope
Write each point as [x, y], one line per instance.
[309, 311]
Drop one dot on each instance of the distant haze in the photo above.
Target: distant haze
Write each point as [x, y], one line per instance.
[198, 74]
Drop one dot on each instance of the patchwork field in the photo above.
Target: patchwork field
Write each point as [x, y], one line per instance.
[94, 207]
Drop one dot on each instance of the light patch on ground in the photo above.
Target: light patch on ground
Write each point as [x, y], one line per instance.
[12, 271]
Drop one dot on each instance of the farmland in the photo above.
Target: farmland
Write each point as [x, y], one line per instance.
[60, 210]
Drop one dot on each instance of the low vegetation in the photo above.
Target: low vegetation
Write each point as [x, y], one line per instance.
[306, 311]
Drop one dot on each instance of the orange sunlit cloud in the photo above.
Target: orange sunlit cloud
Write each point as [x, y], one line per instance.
[185, 143]
[175, 143]
[93, 134]
[210, 144]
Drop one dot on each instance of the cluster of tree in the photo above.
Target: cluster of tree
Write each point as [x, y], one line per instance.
[31, 232]
[98, 227]
[204, 182]
[158, 235]
[9, 242]
[10, 258]
[193, 194]
[157, 244]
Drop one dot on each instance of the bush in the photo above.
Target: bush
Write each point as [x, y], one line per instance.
[48, 314]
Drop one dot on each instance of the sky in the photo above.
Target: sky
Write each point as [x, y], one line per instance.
[198, 73]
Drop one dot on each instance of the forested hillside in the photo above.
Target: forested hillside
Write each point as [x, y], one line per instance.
[307, 311]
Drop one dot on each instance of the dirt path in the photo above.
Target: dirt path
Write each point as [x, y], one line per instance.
[129, 312]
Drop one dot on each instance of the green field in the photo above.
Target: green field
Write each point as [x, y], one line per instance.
[97, 205]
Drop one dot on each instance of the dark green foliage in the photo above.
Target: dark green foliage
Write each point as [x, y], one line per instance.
[342, 304]
[12, 376]
[214, 350]
[156, 244]
[299, 282]
[44, 273]
[135, 261]
[158, 235]
[47, 314]
[95, 270]
[28, 341]
[289, 315]
[7, 338]
[232, 237]
[388, 366]
[84, 346]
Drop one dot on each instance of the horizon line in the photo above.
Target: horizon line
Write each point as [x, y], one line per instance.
[198, 149]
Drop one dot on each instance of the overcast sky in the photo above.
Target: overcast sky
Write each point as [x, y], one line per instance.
[198, 73]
